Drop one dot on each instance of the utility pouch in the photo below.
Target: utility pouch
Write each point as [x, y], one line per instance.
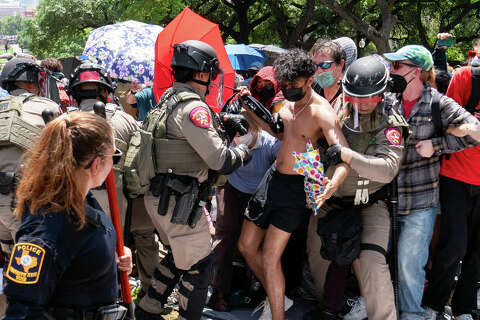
[159, 188]
[111, 312]
[203, 195]
[7, 182]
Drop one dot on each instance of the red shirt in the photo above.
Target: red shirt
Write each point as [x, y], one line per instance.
[464, 165]
[408, 106]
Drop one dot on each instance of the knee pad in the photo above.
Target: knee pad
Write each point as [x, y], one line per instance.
[202, 273]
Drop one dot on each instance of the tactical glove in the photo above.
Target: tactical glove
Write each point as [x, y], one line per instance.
[234, 123]
[334, 154]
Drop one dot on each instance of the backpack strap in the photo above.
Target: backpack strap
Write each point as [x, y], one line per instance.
[475, 95]
[436, 118]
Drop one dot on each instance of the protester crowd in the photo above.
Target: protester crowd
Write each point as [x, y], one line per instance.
[227, 202]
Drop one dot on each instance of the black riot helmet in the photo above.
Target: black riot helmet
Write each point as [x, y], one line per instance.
[196, 55]
[89, 72]
[365, 77]
[19, 69]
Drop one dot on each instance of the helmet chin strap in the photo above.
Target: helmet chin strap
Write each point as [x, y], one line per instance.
[204, 83]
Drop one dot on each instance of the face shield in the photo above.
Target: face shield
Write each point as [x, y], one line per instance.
[214, 94]
[363, 114]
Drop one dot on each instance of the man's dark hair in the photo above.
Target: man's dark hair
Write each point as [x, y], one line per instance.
[294, 64]
[331, 48]
[182, 74]
[442, 79]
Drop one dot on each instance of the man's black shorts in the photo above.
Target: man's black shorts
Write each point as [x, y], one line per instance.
[286, 206]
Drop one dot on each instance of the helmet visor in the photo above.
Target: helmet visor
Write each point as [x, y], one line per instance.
[215, 88]
[363, 115]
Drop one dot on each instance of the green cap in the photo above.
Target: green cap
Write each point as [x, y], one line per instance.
[419, 55]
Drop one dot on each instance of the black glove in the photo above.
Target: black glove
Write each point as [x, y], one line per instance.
[247, 154]
[277, 123]
[234, 123]
[334, 155]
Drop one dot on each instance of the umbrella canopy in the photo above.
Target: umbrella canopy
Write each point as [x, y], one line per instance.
[126, 49]
[188, 25]
[242, 56]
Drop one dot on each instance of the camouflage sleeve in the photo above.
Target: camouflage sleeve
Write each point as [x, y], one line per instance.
[383, 165]
[198, 129]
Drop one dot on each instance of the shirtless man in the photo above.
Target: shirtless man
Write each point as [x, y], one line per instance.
[306, 116]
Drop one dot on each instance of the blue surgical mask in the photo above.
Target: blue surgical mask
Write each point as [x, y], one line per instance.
[325, 79]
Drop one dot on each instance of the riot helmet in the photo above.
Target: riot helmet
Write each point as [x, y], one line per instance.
[19, 69]
[363, 84]
[201, 57]
[89, 73]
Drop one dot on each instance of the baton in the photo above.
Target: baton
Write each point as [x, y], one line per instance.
[115, 216]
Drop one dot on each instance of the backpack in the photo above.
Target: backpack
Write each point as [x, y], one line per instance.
[13, 129]
[140, 164]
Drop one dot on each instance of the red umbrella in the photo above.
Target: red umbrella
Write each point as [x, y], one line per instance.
[188, 25]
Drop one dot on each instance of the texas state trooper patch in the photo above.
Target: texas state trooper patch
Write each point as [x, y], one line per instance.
[394, 136]
[26, 263]
[200, 117]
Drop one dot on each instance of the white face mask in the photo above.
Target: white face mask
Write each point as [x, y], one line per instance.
[245, 139]
[475, 62]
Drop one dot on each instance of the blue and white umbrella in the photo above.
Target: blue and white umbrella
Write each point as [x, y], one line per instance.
[243, 57]
[126, 49]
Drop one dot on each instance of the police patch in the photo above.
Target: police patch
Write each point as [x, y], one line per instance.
[200, 117]
[26, 263]
[394, 136]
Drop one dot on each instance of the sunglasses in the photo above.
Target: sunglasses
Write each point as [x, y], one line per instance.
[396, 65]
[115, 157]
[325, 64]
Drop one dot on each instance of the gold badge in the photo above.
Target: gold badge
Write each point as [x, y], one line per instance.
[26, 263]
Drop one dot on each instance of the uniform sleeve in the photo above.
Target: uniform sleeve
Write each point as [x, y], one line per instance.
[199, 131]
[453, 114]
[124, 125]
[31, 278]
[383, 166]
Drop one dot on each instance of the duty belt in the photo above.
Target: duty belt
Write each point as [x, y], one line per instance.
[349, 201]
[110, 312]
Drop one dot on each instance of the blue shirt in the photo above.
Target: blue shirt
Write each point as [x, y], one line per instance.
[247, 178]
[145, 102]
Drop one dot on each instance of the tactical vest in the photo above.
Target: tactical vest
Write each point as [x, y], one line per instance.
[13, 129]
[150, 152]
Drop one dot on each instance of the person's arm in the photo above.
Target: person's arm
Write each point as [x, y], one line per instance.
[384, 165]
[439, 54]
[130, 98]
[467, 129]
[334, 136]
[125, 262]
[452, 114]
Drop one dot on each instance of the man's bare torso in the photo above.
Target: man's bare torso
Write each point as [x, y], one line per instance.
[299, 127]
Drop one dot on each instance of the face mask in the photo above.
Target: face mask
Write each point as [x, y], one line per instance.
[325, 79]
[397, 83]
[266, 93]
[294, 94]
[245, 139]
[475, 62]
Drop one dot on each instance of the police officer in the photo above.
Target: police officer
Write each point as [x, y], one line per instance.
[376, 134]
[90, 84]
[63, 265]
[20, 123]
[192, 145]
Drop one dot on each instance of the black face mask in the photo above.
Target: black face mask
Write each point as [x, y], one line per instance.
[265, 94]
[294, 94]
[398, 84]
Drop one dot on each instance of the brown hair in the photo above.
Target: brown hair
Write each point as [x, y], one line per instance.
[48, 179]
[428, 76]
[52, 64]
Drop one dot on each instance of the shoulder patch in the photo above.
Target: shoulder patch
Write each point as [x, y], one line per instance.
[394, 136]
[25, 263]
[200, 117]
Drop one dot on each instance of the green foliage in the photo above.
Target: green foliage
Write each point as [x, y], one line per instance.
[11, 25]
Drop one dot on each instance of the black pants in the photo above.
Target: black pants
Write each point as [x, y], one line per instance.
[459, 240]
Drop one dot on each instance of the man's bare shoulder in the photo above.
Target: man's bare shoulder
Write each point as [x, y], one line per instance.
[322, 110]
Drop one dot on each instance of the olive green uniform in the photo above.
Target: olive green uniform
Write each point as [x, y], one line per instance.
[11, 155]
[374, 164]
[190, 256]
[143, 232]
